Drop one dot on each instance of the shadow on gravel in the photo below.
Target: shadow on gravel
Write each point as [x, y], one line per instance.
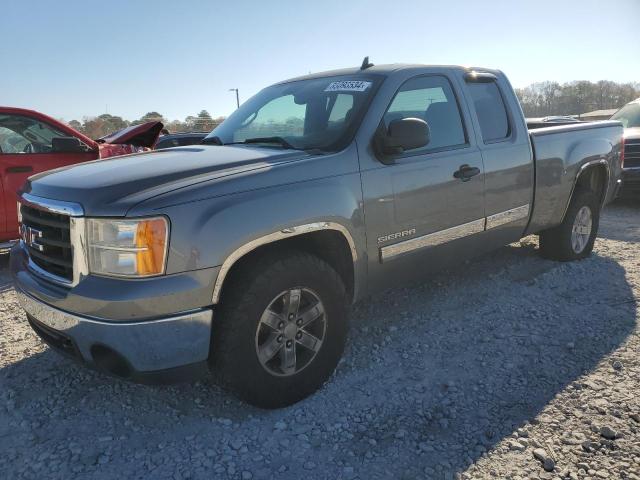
[492, 344]
[434, 376]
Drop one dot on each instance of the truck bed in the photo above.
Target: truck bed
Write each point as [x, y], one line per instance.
[560, 152]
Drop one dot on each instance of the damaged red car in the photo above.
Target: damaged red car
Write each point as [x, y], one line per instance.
[31, 142]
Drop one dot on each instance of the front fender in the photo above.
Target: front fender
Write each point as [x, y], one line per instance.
[219, 231]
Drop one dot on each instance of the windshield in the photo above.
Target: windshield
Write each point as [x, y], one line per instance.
[320, 113]
[629, 115]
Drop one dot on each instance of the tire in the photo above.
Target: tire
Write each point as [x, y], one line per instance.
[559, 243]
[244, 335]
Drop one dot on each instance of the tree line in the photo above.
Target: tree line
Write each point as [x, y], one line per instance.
[574, 98]
[105, 124]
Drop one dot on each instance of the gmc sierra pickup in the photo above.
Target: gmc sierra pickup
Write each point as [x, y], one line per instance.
[242, 255]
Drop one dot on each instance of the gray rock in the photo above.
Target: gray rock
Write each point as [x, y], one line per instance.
[236, 443]
[516, 446]
[608, 433]
[547, 462]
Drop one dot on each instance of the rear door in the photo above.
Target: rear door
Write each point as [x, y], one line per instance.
[420, 203]
[28, 148]
[507, 155]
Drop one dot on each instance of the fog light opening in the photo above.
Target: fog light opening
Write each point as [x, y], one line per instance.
[110, 361]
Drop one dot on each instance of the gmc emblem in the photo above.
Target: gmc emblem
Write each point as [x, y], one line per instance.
[30, 237]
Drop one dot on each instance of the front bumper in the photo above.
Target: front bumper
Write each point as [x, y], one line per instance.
[127, 328]
[166, 349]
[117, 299]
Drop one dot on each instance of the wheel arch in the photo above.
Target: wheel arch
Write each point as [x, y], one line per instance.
[330, 241]
[593, 175]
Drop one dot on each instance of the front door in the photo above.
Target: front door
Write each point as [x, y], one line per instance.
[427, 198]
[27, 147]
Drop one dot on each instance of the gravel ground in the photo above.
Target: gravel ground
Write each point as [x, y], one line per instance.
[509, 366]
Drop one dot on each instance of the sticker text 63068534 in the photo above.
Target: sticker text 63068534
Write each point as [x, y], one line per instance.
[348, 86]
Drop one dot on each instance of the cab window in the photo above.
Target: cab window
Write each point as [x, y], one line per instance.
[11, 142]
[491, 111]
[20, 134]
[430, 98]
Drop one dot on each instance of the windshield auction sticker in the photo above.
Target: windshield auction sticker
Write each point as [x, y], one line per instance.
[348, 86]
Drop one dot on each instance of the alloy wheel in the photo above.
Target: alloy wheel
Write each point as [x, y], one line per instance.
[581, 230]
[290, 331]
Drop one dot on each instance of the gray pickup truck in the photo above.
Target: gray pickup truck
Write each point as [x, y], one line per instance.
[241, 256]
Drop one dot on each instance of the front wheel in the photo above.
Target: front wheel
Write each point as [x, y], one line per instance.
[281, 329]
[573, 239]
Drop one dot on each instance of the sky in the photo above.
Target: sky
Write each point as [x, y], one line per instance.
[76, 58]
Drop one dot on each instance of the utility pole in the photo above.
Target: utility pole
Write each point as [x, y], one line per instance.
[237, 96]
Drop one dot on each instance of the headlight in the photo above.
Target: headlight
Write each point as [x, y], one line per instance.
[127, 248]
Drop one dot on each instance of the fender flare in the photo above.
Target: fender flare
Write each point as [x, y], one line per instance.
[584, 168]
[288, 232]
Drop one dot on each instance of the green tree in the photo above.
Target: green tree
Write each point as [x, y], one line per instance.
[574, 98]
[114, 123]
[203, 122]
[94, 127]
[150, 117]
[76, 125]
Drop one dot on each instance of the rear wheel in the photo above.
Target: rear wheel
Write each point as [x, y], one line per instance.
[573, 239]
[281, 329]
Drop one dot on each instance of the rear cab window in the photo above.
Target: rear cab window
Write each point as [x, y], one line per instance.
[490, 110]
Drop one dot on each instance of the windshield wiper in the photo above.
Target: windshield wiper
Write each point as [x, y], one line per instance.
[277, 140]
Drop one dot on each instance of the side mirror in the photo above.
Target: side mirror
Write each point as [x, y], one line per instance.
[66, 145]
[405, 134]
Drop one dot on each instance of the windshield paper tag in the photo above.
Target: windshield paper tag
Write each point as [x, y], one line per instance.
[348, 86]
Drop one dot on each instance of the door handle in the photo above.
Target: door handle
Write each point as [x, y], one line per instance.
[465, 172]
[21, 169]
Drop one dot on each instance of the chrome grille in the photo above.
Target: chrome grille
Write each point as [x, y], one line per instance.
[47, 237]
[632, 153]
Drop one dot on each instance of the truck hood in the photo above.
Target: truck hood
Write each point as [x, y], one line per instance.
[111, 187]
[143, 135]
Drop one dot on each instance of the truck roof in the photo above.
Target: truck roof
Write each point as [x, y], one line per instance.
[385, 70]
